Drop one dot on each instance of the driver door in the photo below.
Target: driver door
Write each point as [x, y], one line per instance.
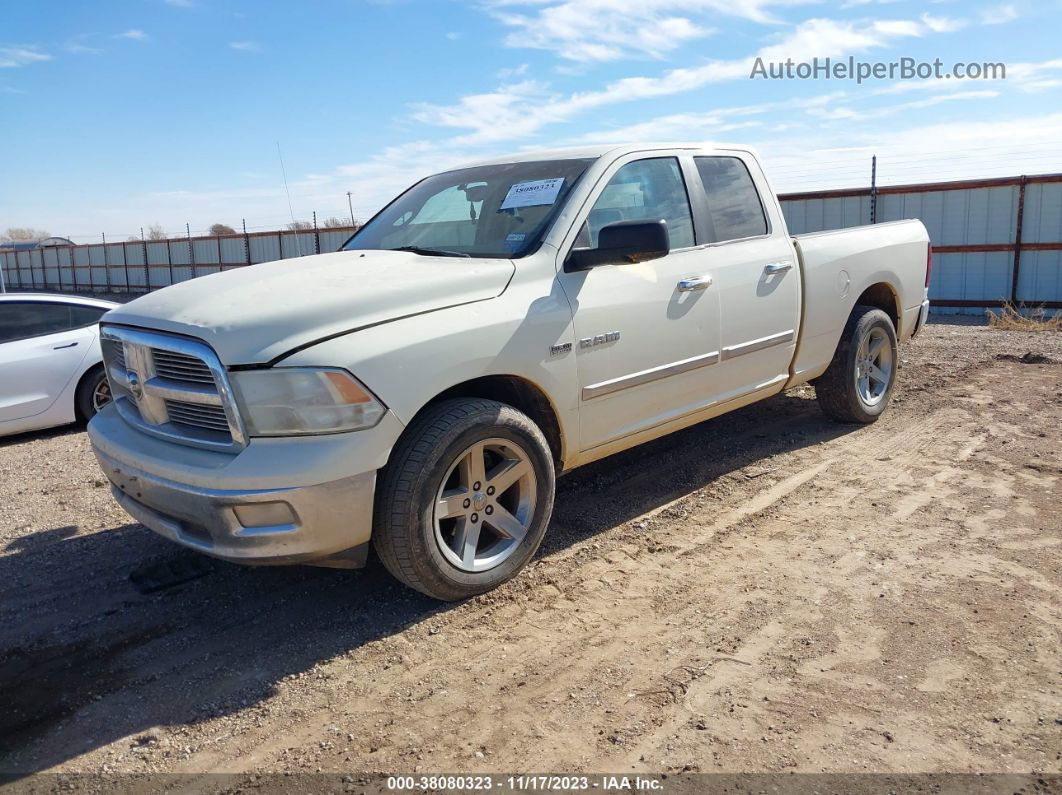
[647, 334]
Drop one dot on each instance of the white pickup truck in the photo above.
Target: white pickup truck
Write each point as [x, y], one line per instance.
[492, 327]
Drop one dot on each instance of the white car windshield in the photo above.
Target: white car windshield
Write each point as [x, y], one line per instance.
[488, 211]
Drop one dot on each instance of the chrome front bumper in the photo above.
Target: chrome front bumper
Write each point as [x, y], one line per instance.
[189, 497]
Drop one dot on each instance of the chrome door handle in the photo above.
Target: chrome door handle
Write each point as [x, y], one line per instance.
[772, 268]
[694, 283]
[62, 347]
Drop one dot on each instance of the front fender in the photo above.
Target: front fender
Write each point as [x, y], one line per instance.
[410, 362]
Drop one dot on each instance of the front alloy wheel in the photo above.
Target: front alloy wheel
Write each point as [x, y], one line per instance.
[485, 505]
[464, 502]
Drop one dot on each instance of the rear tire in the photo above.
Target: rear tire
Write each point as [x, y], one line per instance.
[93, 393]
[857, 386]
[440, 526]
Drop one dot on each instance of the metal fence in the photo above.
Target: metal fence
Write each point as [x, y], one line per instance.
[144, 265]
[993, 240]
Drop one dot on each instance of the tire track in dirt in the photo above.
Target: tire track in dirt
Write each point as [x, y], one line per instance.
[769, 593]
[615, 619]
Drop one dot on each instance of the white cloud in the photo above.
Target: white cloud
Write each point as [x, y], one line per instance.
[82, 49]
[999, 15]
[133, 34]
[1032, 78]
[943, 24]
[1025, 77]
[962, 149]
[848, 113]
[502, 114]
[702, 126]
[508, 73]
[15, 55]
[78, 45]
[245, 46]
[606, 30]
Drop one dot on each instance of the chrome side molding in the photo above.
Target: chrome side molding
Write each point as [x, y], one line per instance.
[758, 345]
[646, 376]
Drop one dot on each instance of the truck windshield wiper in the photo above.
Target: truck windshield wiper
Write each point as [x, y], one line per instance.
[432, 252]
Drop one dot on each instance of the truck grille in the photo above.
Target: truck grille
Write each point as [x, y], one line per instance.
[181, 367]
[197, 415]
[171, 387]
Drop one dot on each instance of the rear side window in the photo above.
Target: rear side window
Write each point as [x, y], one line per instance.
[22, 320]
[734, 206]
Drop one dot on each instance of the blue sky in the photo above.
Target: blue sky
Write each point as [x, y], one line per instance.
[125, 113]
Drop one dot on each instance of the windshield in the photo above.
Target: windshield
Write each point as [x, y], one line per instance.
[486, 211]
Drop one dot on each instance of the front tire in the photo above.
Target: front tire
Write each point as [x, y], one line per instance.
[857, 386]
[464, 502]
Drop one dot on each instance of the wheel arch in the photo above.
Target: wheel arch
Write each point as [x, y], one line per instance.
[883, 296]
[518, 392]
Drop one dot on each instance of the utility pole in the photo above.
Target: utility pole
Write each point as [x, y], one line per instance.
[874, 189]
[350, 204]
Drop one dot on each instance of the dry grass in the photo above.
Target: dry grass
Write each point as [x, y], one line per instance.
[1024, 318]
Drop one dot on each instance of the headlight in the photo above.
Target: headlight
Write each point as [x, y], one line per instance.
[287, 401]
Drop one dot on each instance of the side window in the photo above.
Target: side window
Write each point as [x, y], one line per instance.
[81, 316]
[19, 321]
[734, 205]
[645, 190]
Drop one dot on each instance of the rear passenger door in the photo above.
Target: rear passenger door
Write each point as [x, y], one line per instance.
[755, 271]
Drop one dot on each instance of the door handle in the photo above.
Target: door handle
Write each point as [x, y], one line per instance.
[63, 347]
[694, 283]
[772, 268]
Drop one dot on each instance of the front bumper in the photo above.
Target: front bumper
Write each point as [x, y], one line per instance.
[217, 505]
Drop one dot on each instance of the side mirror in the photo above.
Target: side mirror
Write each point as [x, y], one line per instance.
[623, 242]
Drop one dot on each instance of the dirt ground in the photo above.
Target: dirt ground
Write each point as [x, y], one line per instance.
[765, 592]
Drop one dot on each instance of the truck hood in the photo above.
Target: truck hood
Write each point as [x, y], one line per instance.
[255, 314]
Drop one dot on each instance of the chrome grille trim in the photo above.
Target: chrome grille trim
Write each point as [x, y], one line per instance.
[180, 392]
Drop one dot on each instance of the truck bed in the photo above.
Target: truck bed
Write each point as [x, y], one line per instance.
[837, 263]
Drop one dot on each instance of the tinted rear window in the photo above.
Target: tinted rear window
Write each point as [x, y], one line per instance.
[734, 205]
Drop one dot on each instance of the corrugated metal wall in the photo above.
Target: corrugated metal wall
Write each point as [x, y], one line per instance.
[974, 228]
[139, 266]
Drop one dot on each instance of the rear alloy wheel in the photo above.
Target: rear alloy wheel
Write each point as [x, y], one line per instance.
[874, 365]
[464, 502]
[93, 394]
[858, 384]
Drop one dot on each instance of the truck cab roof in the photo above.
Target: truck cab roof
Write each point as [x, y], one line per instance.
[600, 150]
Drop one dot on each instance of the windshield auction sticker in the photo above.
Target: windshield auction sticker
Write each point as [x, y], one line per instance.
[531, 194]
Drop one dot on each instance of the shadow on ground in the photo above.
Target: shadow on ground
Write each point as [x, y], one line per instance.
[92, 655]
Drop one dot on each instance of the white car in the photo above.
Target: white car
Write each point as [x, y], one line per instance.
[51, 368]
[493, 326]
